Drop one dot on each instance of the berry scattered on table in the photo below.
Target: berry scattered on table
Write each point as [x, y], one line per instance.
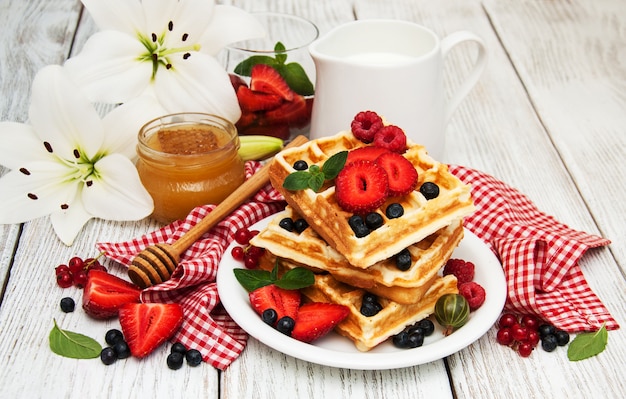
[361, 187]
[245, 252]
[113, 336]
[193, 357]
[67, 304]
[75, 272]
[117, 349]
[474, 293]
[108, 356]
[365, 125]
[175, 360]
[105, 293]
[524, 333]
[461, 269]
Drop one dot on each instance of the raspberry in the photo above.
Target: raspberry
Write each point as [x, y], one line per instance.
[365, 125]
[392, 138]
[474, 293]
[361, 187]
[401, 173]
[462, 270]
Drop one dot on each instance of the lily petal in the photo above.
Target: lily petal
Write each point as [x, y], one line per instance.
[159, 13]
[19, 145]
[123, 123]
[123, 15]
[229, 24]
[36, 190]
[61, 115]
[107, 68]
[117, 192]
[67, 224]
[198, 84]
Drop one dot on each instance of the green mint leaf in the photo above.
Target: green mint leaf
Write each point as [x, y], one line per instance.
[296, 77]
[316, 181]
[73, 345]
[297, 180]
[587, 345]
[251, 279]
[334, 164]
[244, 68]
[279, 49]
[295, 279]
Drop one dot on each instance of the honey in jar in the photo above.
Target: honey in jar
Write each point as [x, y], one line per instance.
[186, 160]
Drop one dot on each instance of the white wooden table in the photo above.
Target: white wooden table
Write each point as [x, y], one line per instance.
[548, 117]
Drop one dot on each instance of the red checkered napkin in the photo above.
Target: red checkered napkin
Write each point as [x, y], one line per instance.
[206, 326]
[538, 253]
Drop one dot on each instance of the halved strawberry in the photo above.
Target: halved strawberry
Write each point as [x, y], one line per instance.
[266, 79]
[105, 293]
[284, 302]
[295, 113]
[148, 325]
[369, 153]
[401, 173]
[361, 187]
[236, 81]
[256, 100]
[316, 319]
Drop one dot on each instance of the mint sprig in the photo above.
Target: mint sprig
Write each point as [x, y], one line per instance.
[293, 279]
[315, 176]
[73, 345]
[292, 72]
[587, 344]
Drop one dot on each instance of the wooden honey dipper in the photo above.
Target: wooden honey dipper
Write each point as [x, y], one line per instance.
[156, 263]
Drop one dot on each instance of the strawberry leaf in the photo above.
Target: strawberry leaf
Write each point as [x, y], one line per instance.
[587, 345]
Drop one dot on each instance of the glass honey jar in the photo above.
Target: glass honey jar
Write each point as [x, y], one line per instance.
[186, 160]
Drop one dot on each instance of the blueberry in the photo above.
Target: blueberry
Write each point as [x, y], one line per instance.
[562, 337]
[121, 349]
[194, 357]
[401, 340]
[113, 336]
[416, 339]
[394, 211]
[369, 297]
[373, 220]
[549, 343]
[67, 305]
[415, 329]
[429, 190]
[546, 329]
[175, 360]
[369, 309]
[427, 326]
[287, 224]
[285, 325]
[108, 356]
[403, 260]
[178, 347]
[300, 165]
[269, 316]
[300, 225]
[357, 224]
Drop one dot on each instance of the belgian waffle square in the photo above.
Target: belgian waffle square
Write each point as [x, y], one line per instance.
[421, 217]
[308, 249]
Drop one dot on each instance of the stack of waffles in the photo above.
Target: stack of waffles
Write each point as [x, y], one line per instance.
[347, 267]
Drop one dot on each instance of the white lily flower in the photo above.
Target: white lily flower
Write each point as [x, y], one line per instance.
[68, 162]
[163, 47]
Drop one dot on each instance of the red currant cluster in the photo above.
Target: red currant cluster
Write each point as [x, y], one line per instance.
[523, 334]
[245, 252]
[75, 271]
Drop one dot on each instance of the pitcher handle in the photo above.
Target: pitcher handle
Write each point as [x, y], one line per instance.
[447, 44]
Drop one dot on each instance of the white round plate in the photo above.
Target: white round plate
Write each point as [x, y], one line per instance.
[337, 351]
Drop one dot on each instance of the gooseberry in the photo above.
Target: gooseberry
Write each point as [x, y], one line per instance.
[452, 312]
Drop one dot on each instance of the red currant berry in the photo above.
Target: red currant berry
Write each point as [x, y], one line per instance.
[97, 267]
[242, 236]
[237, 253]
[80, 278]
[256, 252]
[61, 269]
[251, 262]
[64, 280]
[76, 264]
[525, 349]
[519, 332]
[504, 336]
[507, 320]
[533, 338]
[531, 322]
[90, 263]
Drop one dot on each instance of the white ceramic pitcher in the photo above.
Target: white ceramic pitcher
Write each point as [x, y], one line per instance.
[394, 68]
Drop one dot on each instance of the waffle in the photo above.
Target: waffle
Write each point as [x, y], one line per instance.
[421, 218]
[384, 279]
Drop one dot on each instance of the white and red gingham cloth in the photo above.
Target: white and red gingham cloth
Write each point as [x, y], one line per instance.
[538, 253]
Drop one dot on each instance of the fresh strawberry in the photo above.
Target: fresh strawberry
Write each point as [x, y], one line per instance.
[316, 319]
[251, 101]
[266, 79]
[369, 153]
[401, 173]
[284, 302]
[361, 187]
[105, 293]
[295, 113]
[236, 81]
[147, 325]
[365, 125]
[392, 138]
[246, 119]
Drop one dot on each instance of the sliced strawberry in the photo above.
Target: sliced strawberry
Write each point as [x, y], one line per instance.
[236, 81]
[246, 119]
[400, 172]
[295, 113]
[251, 101]
[361, 187]
[316, 319]
[369, 153]
[284, 302]
[148, 325]
[105, 293]
[266, 79]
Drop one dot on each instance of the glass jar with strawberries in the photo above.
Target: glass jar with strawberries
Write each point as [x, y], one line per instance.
[273, 77]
